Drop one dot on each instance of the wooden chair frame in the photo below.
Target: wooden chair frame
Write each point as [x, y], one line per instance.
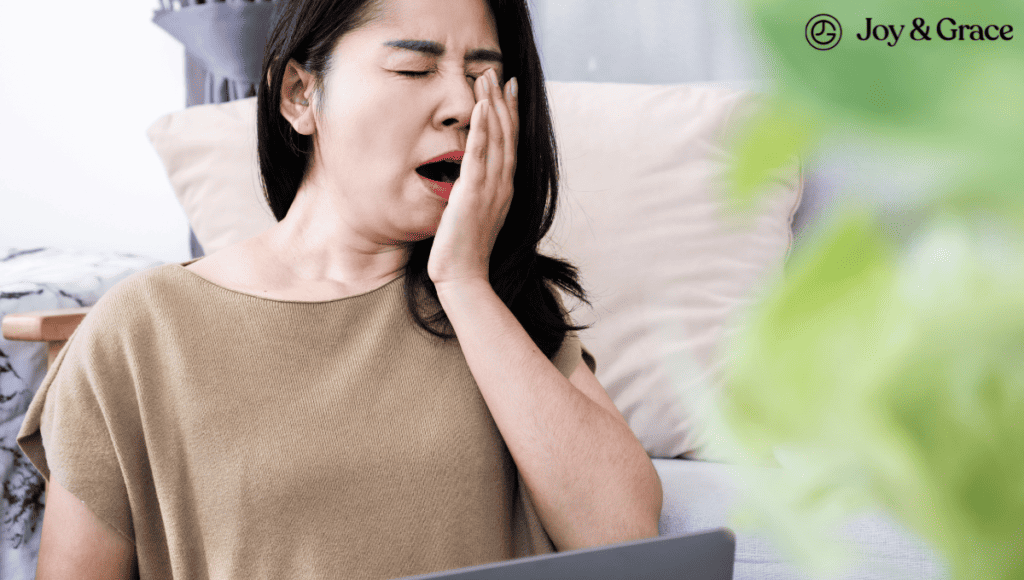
[53, 327]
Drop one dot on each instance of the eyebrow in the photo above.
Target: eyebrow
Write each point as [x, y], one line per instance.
[437, 49]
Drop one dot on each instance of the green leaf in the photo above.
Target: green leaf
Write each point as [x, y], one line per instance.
[766, 144]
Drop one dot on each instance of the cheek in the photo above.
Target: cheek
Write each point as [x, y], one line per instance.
[368, 134]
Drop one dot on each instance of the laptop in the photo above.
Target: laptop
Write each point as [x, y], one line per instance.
[701, 556]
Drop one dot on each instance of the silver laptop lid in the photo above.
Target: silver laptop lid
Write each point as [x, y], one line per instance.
[702, 556]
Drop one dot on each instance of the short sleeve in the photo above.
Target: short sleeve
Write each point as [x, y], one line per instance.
[567, 358]
[69, 428]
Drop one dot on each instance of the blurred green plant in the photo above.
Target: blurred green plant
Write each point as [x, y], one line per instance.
[887, 371]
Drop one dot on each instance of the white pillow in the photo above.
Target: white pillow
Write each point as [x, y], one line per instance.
[643, 217]
[209, 152]
[640, 214]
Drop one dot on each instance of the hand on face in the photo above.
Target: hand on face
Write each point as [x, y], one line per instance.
[481, 196]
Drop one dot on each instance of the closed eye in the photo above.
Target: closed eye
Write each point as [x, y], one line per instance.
[423, 73]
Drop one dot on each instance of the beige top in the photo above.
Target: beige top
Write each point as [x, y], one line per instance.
[233, 436]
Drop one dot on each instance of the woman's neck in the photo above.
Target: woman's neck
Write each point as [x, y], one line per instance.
[315, 242]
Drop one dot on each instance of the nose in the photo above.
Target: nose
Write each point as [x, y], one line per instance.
[457, 103]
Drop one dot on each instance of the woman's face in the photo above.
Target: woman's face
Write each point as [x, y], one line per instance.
[398, 93]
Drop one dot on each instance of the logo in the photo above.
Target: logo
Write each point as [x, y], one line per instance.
[823, 31]
[946, 29]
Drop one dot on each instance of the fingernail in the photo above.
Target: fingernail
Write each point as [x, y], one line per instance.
[515, 87]
[494, 78]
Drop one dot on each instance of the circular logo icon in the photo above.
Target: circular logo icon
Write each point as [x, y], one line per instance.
[823, 31]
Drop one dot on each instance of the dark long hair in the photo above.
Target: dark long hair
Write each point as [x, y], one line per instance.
[307, 30]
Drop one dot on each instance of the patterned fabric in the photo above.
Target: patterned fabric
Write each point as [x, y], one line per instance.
[30, 280]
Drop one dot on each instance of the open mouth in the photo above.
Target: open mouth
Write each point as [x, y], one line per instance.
[441, 171]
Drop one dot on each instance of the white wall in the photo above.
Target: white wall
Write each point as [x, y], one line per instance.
[80, 82]
[646, 41]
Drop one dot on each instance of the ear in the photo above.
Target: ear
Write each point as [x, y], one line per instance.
[297, 98]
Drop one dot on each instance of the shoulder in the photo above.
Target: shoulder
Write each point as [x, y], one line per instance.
[121, 336]
[154, 284]
[129, 306]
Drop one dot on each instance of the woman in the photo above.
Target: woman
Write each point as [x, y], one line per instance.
[383, 383]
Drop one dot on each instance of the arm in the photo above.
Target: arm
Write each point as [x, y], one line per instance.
[75, 543]
[588, 476]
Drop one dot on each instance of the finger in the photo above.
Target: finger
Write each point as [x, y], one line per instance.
[480, 87]
[474, 164]
[512, 90]
[504, 118]
[496, 136]
[512, 98]
[500, 102]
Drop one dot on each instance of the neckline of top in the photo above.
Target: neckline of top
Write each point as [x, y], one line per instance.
[180, 266]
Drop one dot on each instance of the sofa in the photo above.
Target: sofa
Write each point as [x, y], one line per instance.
[669, 263]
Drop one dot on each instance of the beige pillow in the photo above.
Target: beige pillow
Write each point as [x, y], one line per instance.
[209, 152]
[640, 214]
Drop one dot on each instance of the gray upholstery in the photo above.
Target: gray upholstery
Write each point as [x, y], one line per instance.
[700, 495]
